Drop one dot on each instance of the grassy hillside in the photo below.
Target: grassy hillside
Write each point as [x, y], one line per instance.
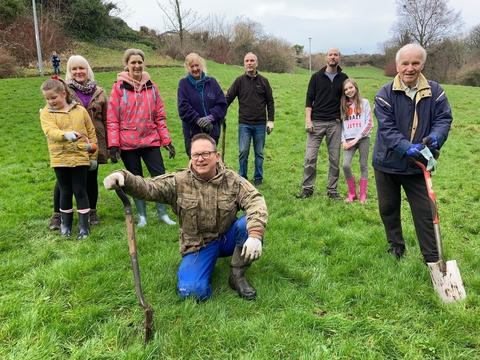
[326, 287]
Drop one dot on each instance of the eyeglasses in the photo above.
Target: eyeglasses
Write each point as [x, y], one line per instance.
[205, 155]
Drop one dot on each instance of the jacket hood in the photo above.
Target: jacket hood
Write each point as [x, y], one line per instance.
[137, 85]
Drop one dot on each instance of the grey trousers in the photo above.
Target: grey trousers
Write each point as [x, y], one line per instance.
[332, 131]
[363, 146]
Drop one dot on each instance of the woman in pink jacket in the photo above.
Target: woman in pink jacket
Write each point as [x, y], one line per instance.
[137, 127]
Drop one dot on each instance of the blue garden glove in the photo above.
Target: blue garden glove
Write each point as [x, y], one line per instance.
[414, 150]
[431, 142]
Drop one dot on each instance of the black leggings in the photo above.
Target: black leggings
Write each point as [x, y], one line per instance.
[72, 181]
[92, 191]
[152, 157]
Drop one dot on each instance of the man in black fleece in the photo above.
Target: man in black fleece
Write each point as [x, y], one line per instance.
[323, 120]
[254, 97]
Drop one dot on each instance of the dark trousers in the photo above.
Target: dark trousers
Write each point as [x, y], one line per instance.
[72, 181]
[92, 191]
[151, 156]
[389, 202]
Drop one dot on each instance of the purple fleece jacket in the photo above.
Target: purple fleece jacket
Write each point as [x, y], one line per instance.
[190, 107]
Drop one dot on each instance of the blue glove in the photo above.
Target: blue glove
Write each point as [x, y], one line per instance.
[431, 142]
[414, 150]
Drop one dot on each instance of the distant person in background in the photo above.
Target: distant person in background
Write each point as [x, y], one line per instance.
[63, 121]
[137, 126]
[412, 113]
[256, 113]
[84, 91]
[322, 120]
[201, 102]
[55, 62]
[357, 124]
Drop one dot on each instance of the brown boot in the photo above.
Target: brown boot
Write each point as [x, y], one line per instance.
[94, 217]
[54, 222]
[237, 280]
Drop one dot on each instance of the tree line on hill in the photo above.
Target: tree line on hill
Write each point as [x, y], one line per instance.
[452, 54]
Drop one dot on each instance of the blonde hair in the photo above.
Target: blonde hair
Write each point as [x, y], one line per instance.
[194, 56]
[77, 60]
[357, 99]
[58, 86]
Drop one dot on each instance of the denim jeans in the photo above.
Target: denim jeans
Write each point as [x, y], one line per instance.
[196, 268]
[245, 135]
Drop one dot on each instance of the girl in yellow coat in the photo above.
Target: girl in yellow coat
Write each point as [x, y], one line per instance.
[64, 122]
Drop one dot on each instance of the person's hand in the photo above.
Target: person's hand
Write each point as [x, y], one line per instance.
[93, 165]
[431, 142]
[202, 122]
[252, 249]
[414, 150]
[171, 151]
[114, 181]
[309, 127]
[270, 127]
[205, 124]
[114, 154]
[208, 128]
[71, 135]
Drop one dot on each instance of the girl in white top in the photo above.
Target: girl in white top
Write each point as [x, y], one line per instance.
[357, 124]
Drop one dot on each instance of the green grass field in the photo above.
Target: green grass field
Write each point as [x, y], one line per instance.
[326, 287]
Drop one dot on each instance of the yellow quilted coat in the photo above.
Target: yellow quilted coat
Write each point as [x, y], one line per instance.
[55, 123]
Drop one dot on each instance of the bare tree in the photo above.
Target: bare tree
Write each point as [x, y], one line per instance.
[426, 22]
[180, 20]
[473, 40]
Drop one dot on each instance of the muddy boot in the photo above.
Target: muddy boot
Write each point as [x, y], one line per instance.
[94, 217]
[66, 224]
[55, 221]
[237, 280]
[83, 226]
[142, 212]
[162, 214]
[352, 190]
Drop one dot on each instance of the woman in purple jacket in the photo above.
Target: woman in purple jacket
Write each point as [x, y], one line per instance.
[201, 102]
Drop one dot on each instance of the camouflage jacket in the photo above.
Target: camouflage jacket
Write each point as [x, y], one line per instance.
[205, 209]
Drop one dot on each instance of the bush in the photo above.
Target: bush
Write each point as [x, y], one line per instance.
[390, 69]
[469, 75]
[7, 64]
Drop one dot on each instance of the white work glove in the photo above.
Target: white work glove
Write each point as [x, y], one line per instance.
[71, 136]
[114, 181]
[270, 127]
[309, 127]
[252, 249]
[93, 165]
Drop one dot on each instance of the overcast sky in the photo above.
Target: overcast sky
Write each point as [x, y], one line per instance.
[351, 25]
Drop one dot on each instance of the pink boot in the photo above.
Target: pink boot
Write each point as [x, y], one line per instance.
[363, 190]
[352, 190]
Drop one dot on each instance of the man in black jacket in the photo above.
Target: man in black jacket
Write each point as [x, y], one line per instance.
[323, 120]
[255, 100]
